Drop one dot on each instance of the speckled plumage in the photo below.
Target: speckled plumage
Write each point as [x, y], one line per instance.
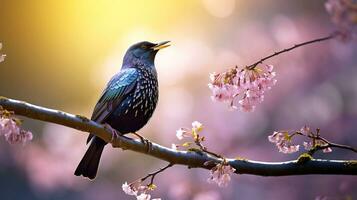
[138, 106]
[127, 103]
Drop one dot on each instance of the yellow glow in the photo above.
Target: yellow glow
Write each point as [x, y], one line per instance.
[221, 8]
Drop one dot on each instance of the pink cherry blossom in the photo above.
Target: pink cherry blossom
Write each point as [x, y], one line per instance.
[247, 85]
[223, 93]
[221, 174]
[307, 145]
[182, 132]
[190, 133]
[174, 146]
[276, 137]
[289, 148]
[305, 130]
[197, 126]
[143, 196]
[12, 132]
[22, 137]
[282, 140]
[128, 189]
[246, 105]
[8, 126]
[323, 144]
[327, 150]
[138, 190]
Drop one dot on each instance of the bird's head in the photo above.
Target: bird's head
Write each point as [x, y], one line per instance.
[144, 52]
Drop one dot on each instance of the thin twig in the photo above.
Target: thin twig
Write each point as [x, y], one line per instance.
[335, 145]
[341, 146]
[153, 174]
[317, 136]
[252, 66]
[204, 149]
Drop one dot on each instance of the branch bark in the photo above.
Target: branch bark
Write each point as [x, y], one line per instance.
[187, 158]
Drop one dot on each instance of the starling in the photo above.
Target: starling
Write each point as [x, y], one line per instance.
[127, 103]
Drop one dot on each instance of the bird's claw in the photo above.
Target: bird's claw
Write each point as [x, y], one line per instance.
[145, 141]
[115, 133]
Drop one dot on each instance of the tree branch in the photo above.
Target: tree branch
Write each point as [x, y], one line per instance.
[188, 158]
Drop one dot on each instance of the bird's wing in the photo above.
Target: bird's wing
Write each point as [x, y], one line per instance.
[117, 89]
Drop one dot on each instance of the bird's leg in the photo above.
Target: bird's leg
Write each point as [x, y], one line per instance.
[115, 133]
[145, 141]
[142, 139]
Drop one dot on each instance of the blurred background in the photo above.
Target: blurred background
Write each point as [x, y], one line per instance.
[60, 54]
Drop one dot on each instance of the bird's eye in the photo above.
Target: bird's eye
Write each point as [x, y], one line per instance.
[144, 46]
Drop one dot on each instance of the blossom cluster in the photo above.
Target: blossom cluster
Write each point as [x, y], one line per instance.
[248, 84]
[2, 56]
[221, 174]
[283, 140]
[314, 140]
[138, 190]
[344, 15]
[189, 133]
[10, 128]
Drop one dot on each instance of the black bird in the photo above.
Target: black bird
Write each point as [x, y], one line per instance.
[127, 103]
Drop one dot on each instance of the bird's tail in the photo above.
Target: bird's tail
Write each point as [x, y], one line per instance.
[88, 166]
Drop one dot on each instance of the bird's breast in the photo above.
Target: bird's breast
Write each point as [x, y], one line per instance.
[137, 108]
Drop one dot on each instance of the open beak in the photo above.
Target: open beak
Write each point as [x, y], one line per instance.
[161, 45]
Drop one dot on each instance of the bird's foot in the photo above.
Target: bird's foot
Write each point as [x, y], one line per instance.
[145, 141]
[115, 133]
